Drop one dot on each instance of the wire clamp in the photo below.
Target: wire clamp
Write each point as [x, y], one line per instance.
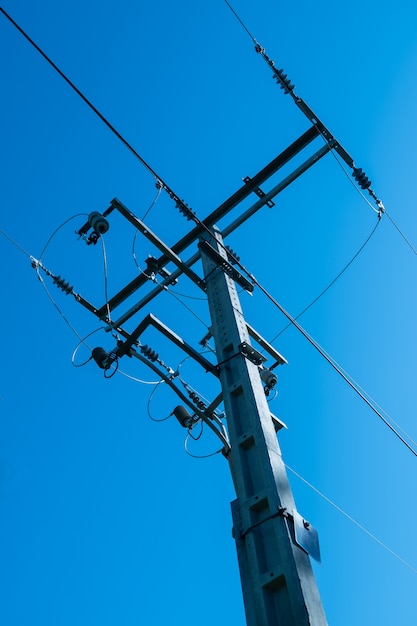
[381, 209]
[258, 48]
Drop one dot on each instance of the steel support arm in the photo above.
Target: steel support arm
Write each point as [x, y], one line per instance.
[284, 157]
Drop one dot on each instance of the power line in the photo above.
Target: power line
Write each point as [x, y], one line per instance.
[18, 246]
[200, 456]
[154, 201]
[351, 519]
[336, 367]
[189, 309]
[335, 279]
[105, 271]
[52, 235]
[241, 22]
[80, 93]
[163, 419]
[95, 110]
[401, 233]
[83, 341]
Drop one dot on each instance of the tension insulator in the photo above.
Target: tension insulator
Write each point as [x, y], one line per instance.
[283, 81]
[185, 210]
[62, 284]
[197, 401]
[232, 256]
[361, 178]
[149, 353]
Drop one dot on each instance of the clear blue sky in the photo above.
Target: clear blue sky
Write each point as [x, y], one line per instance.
[104, 518]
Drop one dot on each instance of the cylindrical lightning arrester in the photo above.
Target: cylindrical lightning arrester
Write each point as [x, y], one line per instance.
[183, 416]
[101, 357]
[269, 378]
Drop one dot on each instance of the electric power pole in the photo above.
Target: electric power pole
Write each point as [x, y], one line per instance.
[273, 541]
[278, 583]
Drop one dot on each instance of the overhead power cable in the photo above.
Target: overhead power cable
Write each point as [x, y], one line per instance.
[351, 519]
[337, 368]
[102, 117]
[326, 289]
[407, 241]
[200, 456]
[162, 419]
[18, 246]
[52, 235]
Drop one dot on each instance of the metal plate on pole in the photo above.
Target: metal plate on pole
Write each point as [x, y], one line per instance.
[306, 536]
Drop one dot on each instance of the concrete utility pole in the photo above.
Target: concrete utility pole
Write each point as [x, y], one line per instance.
[278, 583]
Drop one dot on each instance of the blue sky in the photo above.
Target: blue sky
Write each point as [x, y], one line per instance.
[104, 517]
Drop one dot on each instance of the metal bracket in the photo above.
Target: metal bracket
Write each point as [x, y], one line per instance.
[151, 320]
[251, 353]
[259, 192]
[259, 339]
[243, 533]
[306, 536]
[225, 266]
